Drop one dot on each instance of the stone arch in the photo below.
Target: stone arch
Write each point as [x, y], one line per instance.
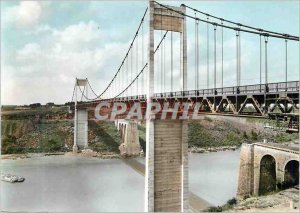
[267, 177]
[291, 173]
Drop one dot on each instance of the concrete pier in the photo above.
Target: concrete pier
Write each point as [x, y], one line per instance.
[130, 145]
[80, 129]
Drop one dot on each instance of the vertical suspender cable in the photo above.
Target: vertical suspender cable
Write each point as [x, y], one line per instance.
[215, 57]
[137, 64]
[266, 60]
[286, 65]
[198, 55]
[237, 58]
[161, 55]
[207, 53]
[131, 62]
[121, 78]
[157, 71]
[195, 52]
[260, 63]
[222, 56]
[164, 65]
[240, 59]
[143, 81]
[127, 75]
[171, 52]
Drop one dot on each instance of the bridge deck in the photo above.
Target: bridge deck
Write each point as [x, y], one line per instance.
[281, 147]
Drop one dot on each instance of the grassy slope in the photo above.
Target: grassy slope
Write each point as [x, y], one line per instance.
[30, 131]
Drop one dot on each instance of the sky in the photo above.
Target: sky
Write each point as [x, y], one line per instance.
[46, 44]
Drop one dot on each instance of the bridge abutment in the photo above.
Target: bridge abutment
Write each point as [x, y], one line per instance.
[263, 167]
[245, 179]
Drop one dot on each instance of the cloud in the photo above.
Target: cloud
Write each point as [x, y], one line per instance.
[25, 14]
[45, 70]
[78, 34]
[29, 13]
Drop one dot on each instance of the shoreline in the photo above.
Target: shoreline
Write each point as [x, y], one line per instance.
[212, 149]
[108, 155]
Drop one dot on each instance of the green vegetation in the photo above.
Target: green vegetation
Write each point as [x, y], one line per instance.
[283, 137]
[142, 136]
[11, 146]
[199, 136]
[106, 135]
[23, 136]
[254, 135]
[229, 205]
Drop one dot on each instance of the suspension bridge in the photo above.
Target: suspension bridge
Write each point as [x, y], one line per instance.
[154, 70]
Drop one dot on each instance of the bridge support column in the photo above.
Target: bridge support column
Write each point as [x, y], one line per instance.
[167, 166]
[130, 145]
[246, 173]
[80, 129]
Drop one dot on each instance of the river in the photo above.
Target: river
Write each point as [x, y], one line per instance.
[70, 184]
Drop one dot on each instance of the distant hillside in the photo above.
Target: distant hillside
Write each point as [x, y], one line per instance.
[51, 130]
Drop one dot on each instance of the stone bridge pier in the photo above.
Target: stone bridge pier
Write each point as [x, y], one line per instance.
[265, 166]
[80, 129]
[130, 145]
[166, 187]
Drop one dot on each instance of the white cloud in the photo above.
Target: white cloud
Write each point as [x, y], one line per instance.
[79, 33]
[45, 71]
[29, 13]
[25, 14]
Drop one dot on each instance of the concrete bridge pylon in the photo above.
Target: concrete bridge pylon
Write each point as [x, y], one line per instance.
[166, 178]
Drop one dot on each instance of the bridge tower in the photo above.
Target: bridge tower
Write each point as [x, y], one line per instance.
[80, 117]
[166, 187]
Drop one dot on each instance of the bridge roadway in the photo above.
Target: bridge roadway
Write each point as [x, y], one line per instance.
[222, 101]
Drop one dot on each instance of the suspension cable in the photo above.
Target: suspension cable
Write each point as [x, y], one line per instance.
[73, 91]
[260, 31]
[91, 88]
[142, 70]
[235, 23]
[142, 20]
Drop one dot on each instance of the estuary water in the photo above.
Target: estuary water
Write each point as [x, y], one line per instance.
[79, 184]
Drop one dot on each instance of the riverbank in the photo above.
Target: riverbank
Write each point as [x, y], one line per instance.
[211, 149]
[84, 153]
[283, 201]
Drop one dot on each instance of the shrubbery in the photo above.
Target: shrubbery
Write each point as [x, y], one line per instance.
[229, 205]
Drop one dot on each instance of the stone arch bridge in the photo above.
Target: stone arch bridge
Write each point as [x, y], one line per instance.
[265, 167]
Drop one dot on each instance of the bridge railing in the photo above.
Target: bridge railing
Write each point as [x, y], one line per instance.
[292, 86]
